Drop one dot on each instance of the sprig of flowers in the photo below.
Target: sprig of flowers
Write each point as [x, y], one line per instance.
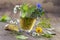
[29, 10]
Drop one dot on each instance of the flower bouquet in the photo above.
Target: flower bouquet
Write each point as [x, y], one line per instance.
[28, 16]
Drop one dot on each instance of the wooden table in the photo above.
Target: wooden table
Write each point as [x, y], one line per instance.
[55, 22]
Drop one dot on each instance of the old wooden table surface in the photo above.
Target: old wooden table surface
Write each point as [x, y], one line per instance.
[55, 22]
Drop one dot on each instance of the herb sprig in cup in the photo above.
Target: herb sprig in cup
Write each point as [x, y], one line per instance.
[31, 11]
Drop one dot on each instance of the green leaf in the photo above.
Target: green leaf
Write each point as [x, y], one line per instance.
[24, 8]
[47, 35]
[24, 14]
[4, 18]
[31, 9]
[21, 37]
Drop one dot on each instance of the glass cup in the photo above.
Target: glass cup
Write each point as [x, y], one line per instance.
[27, 24]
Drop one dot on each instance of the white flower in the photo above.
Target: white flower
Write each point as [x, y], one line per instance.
[11, 21]
[34, 34]
[6, 25]
[15, 11]
[18, 20]
[15, 8]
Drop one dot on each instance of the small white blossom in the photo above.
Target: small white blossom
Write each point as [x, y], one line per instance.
[18, 20]
[15, 11]
[37, 34]
[34, 34]
[15, 8]
[11, 21]
[6, 25]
